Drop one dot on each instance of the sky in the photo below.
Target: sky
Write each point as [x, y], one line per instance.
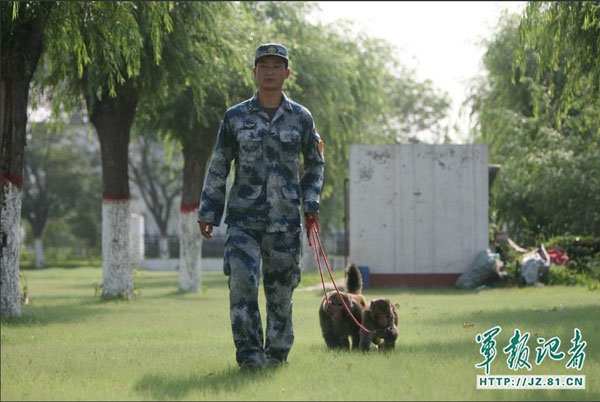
[437, 39]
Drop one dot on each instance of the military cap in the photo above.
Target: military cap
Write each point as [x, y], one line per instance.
[271, 49]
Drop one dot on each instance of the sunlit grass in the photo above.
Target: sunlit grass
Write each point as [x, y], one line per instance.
[164, 344]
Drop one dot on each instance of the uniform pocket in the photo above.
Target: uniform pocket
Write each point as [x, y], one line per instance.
[290, 145]
[250, 145]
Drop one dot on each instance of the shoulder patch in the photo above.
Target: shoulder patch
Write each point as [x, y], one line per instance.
[321, 148]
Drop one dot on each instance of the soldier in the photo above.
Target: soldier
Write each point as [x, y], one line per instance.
[264, 135]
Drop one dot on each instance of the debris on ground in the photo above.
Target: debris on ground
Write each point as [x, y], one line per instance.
[480, 270]
[534, 265]
[557, 256]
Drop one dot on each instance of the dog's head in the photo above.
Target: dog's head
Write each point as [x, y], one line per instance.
[382, 312]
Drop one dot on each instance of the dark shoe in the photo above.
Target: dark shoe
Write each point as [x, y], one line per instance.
[275, 363]
[251, 365]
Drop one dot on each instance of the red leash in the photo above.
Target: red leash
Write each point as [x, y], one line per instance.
[314, 241]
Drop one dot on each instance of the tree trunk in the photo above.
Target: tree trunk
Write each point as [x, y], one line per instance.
[21, 49]
[163, 244]
[190, 266]
[117, 275]
[39, 252]
[10, 220]
[112, 118]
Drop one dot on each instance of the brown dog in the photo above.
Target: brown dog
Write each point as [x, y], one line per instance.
[336, 324]
[382, 318]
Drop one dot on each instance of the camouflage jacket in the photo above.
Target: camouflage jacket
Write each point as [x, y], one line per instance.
[267, 190]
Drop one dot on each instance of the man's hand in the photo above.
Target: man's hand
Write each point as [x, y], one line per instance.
[311, 218]
[206, 229]
[312, 215]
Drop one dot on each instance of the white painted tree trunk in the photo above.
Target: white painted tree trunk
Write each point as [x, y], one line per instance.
[10, 295]
[39, 252]
[163, 244]
[117, 275]
[190, 260]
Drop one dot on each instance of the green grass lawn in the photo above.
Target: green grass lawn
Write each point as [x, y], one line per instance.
[70, 345]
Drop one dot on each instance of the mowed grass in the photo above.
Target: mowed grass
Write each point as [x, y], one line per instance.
[70, 345]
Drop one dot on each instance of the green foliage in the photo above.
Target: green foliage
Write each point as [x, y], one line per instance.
[584, 260]
[560, 275]
[564, 37]
[547, 184]
[576, 247]
[205, 56]
[96, 46]
[61, 197]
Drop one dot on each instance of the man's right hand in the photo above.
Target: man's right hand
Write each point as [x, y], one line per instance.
[206, 229]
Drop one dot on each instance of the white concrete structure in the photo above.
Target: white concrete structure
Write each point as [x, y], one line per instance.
[418, 213]
[136, 239]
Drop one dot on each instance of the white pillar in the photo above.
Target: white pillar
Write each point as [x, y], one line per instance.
[163, 246]
[39, 252]
[136, 238]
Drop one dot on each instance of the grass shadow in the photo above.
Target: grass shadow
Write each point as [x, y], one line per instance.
[168, 387]
[405, 290]
[581, 316]
[39, 315]
[26, 266]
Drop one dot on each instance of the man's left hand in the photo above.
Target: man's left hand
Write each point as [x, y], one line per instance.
[312, 216]
[311, 219]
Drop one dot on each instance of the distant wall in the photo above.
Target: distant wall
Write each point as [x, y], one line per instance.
[418, 213]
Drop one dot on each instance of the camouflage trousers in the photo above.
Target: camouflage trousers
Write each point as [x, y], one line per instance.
[280, 255]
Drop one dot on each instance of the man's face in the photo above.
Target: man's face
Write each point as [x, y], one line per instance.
[270, 73]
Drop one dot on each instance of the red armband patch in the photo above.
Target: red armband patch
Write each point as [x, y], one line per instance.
[321, 148]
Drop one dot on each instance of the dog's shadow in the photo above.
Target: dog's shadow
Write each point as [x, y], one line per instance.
[170, 387]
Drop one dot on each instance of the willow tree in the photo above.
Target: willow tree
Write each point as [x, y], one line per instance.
[22, 40]
[548, 184]
[206, 56]
[109, 54]
[565, 38]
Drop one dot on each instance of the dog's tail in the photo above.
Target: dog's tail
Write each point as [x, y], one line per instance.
[354, 282]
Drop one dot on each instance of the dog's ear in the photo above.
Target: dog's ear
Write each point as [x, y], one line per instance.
[397, 305]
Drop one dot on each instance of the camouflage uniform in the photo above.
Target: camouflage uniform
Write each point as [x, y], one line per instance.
[263, 216]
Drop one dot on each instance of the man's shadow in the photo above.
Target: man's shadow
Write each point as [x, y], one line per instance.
[164, 386]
